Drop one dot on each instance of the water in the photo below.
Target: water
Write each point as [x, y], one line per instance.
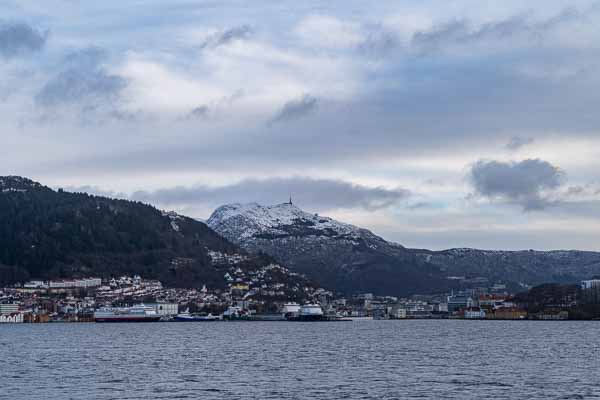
[280, 360]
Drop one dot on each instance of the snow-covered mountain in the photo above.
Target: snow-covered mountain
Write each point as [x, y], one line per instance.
[246, 221]
[348, 258]
[337, 255]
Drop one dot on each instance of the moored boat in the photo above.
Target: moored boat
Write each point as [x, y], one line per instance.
[290, 310]
[236, 314]
[308, 312]
[188, 317]
[137, 313]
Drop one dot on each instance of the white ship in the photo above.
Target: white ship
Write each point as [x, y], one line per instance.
[186, 316]
[137, 313]
[308, 312]
[290, 310]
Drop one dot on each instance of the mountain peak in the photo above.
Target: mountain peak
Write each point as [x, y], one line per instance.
[336, 254]
[253, 219]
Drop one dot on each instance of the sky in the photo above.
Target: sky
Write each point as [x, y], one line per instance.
[436, 124]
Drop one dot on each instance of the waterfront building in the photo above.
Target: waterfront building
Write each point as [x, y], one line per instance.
[378, 311]
[440, 307]
[458, 302]
[474, 313]
[398, 312]
[491, 301]
[590, 284]
[8, 308]
[36, 318]
[166, 309]
[551, 315]
[507, 313]
[359, 313]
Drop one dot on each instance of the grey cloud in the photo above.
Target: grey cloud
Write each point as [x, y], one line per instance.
[227, 36]
[296, 109]
[521, 182]
[411, 106]
[576, 190]
[312, 194]
[88, 58]
[17, 38]
[581, 193]
[199, 112]
[517, 142]
[448, 32]
[378, 41]
[420, 205]
[403, 107]
[462, 31]
[569, 14]
[83, 78]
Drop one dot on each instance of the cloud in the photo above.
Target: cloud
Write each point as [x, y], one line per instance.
[379, 41]
[17, 38]
[525, 183]
[83, 78]
[576, 190]
[329, 32]
[463, 32]
[297, 109]
[449, 32]
[227, 36]
[396, 92]
[199, 112]
[517, 142]
[96, 191]
[420, 205]
[309, 193]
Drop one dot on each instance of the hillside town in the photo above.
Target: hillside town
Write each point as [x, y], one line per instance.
[78, 300]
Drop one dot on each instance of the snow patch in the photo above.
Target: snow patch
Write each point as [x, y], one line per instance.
[257, 219]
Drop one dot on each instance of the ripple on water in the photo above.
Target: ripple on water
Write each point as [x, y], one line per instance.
[246, 360]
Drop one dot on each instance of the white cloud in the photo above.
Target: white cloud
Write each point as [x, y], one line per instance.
[369, 104]
[321, 31]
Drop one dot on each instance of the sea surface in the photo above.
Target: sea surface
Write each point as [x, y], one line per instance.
[434, 359]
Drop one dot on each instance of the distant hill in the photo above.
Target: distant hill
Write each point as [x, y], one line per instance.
[351, 259]
[526, 266]
[53, 234]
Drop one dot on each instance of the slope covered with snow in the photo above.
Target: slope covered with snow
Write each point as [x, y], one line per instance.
[338, 255]
[244, 221]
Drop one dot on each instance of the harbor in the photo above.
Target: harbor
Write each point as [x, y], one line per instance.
[144, 313]
[134, 299]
